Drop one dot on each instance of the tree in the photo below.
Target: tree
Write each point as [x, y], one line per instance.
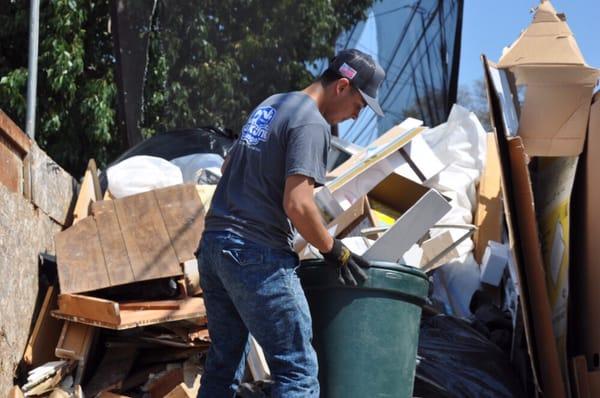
[209, 63]
[475, 100]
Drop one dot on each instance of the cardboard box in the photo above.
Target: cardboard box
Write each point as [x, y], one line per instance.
[420, 209]
[559, 85]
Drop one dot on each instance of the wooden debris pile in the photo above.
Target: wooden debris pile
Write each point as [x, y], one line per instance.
[124, 314]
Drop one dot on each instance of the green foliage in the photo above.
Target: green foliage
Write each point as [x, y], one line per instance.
[76, 93]
[209, 63]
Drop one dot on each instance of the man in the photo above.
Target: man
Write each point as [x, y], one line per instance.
[247, 266]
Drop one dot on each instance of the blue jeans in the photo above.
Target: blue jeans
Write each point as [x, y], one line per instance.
[252, 288]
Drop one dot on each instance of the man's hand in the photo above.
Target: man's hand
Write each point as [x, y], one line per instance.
[349, 265]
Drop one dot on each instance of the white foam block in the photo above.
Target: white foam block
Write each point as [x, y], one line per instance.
[493, 263]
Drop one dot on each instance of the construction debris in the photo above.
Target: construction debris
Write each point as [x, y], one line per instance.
[125, 317]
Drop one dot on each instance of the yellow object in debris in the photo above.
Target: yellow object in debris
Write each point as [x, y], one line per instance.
[383, 214]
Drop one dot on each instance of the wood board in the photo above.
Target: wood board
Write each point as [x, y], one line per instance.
[139, 237]
[45, 334]
[108, 314]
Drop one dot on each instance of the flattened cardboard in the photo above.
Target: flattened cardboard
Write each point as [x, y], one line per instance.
[525, 252]
[547, 60]
[552, 186]
[489, 214]
[586, 250]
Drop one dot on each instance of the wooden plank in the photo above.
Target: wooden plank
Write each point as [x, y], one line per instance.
[190, 308]
[45, 334]
[112, 370]
[79, 306]
[116, 257]
[89, 192]
[79, 257]
[146, 238]
[183, 214]
[151, 305]
[75, 341]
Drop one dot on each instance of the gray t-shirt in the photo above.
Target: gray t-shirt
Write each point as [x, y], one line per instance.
[285, 135]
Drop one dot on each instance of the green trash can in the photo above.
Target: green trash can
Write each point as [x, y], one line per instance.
[366, 337]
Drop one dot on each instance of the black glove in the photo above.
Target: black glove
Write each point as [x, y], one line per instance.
[349, 265]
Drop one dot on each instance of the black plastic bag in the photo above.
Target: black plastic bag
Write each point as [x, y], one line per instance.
[177, 143]
[455, 360]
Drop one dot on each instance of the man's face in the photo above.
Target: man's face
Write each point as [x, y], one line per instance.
[346, 102]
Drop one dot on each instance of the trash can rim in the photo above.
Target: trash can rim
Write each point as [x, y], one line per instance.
[378, 265]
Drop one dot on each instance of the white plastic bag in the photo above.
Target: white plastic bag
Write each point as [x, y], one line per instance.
[140, 174]
[200, 168]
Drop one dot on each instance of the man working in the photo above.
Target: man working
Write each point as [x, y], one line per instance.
[247, 266]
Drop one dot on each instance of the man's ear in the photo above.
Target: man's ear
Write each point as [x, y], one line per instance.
[341, 85]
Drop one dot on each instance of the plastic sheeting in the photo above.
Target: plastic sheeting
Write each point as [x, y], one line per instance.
[455, 360]
[200, 168]
[140, 174]
[460, 144]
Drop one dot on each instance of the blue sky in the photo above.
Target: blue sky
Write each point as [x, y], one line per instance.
[490, 25]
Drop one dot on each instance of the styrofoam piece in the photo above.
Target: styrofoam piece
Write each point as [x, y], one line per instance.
[493, 263]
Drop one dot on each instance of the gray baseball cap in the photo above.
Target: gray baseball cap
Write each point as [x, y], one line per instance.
[363, 72]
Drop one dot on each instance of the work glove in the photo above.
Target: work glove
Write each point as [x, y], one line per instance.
[349, 265]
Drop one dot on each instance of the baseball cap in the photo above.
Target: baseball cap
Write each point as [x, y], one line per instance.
[363, 72]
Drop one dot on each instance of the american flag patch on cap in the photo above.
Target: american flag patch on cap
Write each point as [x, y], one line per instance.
[347, 71]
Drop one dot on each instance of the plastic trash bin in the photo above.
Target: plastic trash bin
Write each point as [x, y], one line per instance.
[366, 337]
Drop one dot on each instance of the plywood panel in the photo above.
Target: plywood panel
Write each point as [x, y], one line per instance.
[183, 214]
[146, 238]
[80, 259]
[116, 257]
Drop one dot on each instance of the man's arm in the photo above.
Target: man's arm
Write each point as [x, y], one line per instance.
[300, 207]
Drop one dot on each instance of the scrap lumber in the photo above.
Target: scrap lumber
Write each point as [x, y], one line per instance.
[191, 381]
[46, 332]
[44, 378]
[109, 314]
[75, 341]
[89, 192]
[131, 239]
[183, 215]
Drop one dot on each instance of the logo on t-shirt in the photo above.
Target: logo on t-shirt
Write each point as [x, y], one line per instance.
[256, 128]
